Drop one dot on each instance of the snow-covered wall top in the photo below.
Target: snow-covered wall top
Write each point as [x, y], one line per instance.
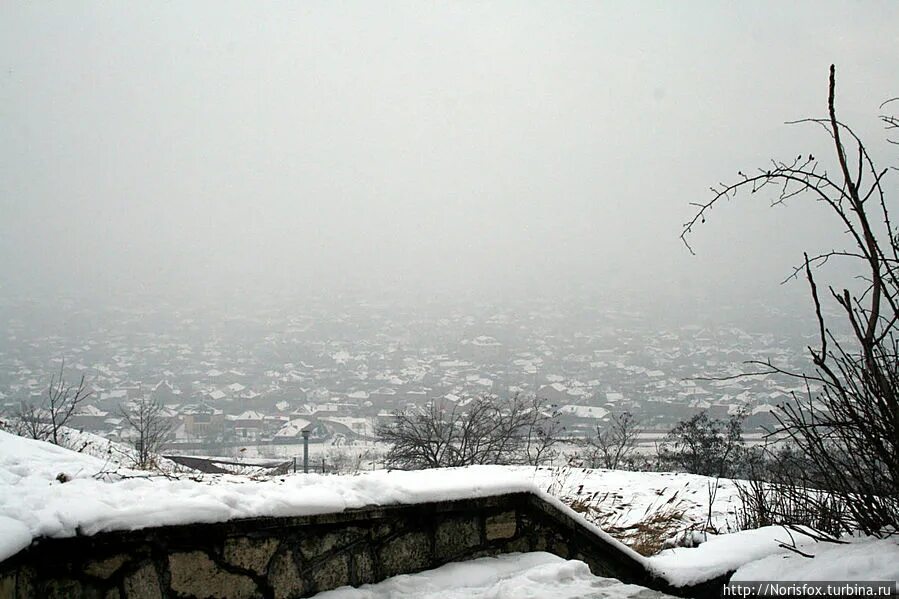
[96, 497]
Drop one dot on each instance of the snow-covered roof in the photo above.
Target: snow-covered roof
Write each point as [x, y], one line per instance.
[248, 415]
[292, 428]
[90, 410]
[162, 383]
[594, 412]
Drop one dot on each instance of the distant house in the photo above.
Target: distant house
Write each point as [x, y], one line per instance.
[217, 395]
[584, 412]
[250, 425]
[89, 418]
[114, 395]
[293, 431]
[761, 416]
[164, 393]
[556, 393]
[350, 427]
[202, 420]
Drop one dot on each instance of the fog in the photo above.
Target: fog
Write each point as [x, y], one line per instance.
[424, 149]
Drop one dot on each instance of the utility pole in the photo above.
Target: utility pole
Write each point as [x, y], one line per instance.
[306, 432]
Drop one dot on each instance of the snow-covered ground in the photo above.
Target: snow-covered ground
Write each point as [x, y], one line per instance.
[115, 455]
[620, 499]
[769, 553]
[50, 491]
[514, 576]
[860, 559]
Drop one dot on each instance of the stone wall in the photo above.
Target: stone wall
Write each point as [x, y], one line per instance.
[298, 557]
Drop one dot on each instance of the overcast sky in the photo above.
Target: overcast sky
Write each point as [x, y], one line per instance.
[198, 146]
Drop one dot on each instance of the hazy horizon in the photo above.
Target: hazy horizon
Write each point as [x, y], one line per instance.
[203, 150]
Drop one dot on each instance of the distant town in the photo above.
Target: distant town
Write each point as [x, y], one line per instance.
[231, 382]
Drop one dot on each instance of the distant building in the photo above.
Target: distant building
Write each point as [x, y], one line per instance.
[201, 420]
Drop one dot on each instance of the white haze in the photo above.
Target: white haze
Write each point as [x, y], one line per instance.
[192, 149]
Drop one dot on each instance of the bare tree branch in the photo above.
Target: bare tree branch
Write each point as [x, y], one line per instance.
[487, 430]
[847, 430]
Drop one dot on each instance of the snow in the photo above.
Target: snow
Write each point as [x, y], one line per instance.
[341, 357]
[101, 494]
[248, 415]
[95, 499]
[767, 554]
[625, 498]
[360, 426]
[593, 412]
[725, 553]
[293, 428]
[114, 455]
[485, 341]
[513, 576]
[14, 536]
[860, 559]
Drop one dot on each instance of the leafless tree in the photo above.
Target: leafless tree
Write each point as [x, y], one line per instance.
[486, 430]
[849, 430]
[44, 421]
[153, 429]
[614, 441]
[704, 445]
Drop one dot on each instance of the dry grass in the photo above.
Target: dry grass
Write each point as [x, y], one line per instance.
[657, 527]
[653, 533]
[664, 523]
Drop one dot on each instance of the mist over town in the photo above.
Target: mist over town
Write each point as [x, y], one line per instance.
[427, 299]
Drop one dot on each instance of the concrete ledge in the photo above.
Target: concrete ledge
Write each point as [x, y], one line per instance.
[300, 556]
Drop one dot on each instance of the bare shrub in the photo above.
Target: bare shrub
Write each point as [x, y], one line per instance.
[152, 429]
[44, 421]
[350, 460]
[784, 489]
[614, 443]
[487, 430]
[849, 429]
[704, 445]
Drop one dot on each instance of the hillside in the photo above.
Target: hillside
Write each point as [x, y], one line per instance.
[50, 491]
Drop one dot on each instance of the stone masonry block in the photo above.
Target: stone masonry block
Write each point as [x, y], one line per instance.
[501, 526]
[455, 535]
[250, 554]
[143, 583]
[196, 575]
[409, 552]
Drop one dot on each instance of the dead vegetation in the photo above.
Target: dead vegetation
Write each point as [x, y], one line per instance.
[665, 522]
